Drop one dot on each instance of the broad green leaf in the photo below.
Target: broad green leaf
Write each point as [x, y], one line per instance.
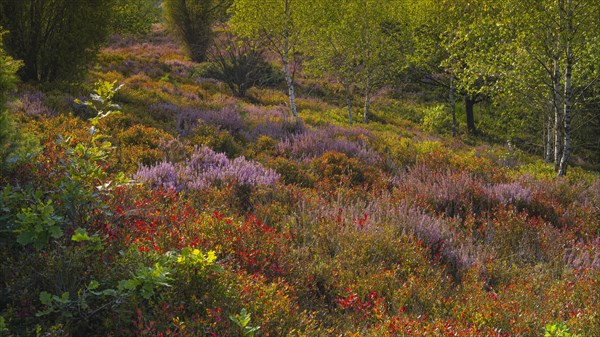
[45, 298]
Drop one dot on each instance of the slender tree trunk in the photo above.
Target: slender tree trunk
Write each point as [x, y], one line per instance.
[453, 107]
[469, 107]
[568, 103]
[292, 95]
[558, 98]
[367, 97]
[367, 48]
[288, 79]
[286, 66]
[548, 139]
[557, 115]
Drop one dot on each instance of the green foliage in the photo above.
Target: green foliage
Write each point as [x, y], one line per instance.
[279, 22]
[217, 139]
[55, 39]
[101, 103]
[191, 22]
[15, 145]
[143, 145]
[194, 258]
[292, 172]
[3, 326]
[135, 17]
[437, 120]
[76, 194]
[338, 169]
[87, 302]
[76, 190]
[242, 320]
[538, 170]
[558, 330]
[265, 144]
[240, 63]
[84, 180]
[8, 69]
[38, 223]
[146, 280]
[445, 239]
[351, 44]
[276, 24]
[92, 243]
[12, 200]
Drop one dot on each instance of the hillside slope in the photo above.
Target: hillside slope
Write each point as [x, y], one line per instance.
[195, 213]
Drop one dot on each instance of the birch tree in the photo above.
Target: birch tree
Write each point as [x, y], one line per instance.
[331, 40]
[446, 36]
[352, 41]
[469, 37]
[547, 54]
[276, 22]
[382, 28]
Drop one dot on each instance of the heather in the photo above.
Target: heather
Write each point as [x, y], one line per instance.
[206, 168]
[186, 211]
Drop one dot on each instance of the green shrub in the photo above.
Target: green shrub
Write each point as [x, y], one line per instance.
[191, 22]
[242, 320]
[240, 64]
[38, 224]
[217, 139]
[436, 119]
[337, 168]
[14, 145]
[54, 46]
[142, 135]
[292, 172]
[403, 151]
[265, 144]
[558, 330]
[135, 16]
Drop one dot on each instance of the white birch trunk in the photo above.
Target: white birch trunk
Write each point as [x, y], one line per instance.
[290, 84]
[548, 139]
[557, 115]
[286, 67]
[558, 99]
[367, 97]
[568, 103]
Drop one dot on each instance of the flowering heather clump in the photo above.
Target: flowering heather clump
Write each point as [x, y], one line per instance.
[163, 174]
[164, 106]
[32, 104]
[247, 172]
[513, 193]
[227, 118]
[132, 66]
[180, 68]
[278, 128]
[204, 169]
[449, 192]
[314, 143]
[456, 250]
[459, 253]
